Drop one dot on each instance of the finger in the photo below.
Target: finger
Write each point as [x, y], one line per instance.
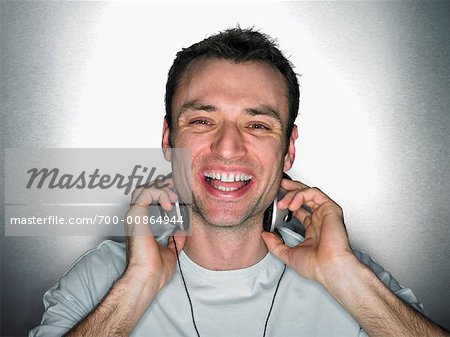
[277, 247]
[285, 201]
[172, 196]
[148, 195]
[290, 185]
[311, 232]
[163, 196]
[295, 200]
[154, 185]
[301, 214]
[299, 201]
[159, 184]
[311, 197]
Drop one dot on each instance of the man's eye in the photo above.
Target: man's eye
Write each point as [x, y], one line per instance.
[258, 126]
[200, 122]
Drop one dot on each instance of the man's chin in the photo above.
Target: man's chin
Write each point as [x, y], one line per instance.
[223, 220]
[226, 215]
[227, 220]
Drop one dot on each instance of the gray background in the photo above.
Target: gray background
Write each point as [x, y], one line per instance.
[374, 123]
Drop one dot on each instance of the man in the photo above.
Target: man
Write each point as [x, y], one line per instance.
[232, 99]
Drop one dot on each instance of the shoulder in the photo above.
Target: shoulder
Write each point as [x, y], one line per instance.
[293, 238]
[81, 288]
[389, 281]
[109, 256]
[93, 273]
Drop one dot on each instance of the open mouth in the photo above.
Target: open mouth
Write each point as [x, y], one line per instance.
[227, 181]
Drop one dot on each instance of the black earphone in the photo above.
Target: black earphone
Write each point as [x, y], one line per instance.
[275, 217]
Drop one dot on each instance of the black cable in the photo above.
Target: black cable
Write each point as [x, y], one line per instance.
[189, 297]
[185, 287]
[273, 300]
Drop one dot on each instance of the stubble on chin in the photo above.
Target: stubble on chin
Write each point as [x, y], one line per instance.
[222, 222]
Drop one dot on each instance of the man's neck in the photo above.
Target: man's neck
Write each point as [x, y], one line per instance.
[217, 248]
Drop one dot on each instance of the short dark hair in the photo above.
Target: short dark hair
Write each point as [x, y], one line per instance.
[237, 45]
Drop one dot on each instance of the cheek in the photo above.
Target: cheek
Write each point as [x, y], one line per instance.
[269, 148]
[195, 143]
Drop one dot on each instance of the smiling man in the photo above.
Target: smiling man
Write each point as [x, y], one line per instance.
[234, 118]
[232, 99]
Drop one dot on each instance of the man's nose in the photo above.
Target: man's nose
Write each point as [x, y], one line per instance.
[229, 142]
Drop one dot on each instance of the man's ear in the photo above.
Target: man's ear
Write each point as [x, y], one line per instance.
[290, 155]
[165, 143]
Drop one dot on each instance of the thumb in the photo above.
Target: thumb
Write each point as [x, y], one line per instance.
[180, 239]
[276, 246]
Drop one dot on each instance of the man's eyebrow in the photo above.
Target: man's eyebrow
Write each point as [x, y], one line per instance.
[196, 106]
[255, 111]
[264, 111]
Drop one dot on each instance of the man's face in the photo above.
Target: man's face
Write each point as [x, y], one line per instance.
[233, 117]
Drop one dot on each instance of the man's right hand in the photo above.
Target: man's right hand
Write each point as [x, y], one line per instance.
[149, 267]
[147, 260]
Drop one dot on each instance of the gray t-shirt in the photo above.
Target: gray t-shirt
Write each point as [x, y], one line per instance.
[225, 303]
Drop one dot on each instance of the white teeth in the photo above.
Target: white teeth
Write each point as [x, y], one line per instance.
[228, 178]
[226, 189]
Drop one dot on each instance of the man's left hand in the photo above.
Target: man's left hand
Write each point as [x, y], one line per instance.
[326, 243]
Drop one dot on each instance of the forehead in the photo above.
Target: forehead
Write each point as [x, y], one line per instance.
[229, 84]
